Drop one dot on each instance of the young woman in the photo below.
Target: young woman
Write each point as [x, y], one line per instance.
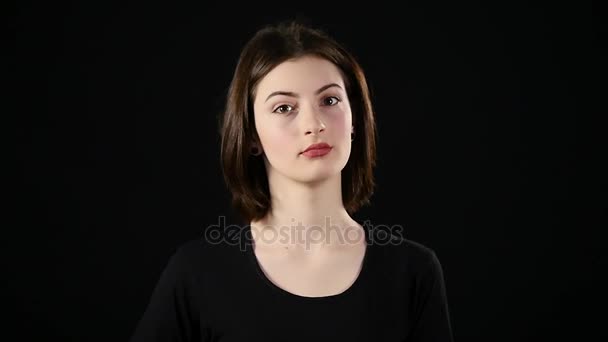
[298, 151]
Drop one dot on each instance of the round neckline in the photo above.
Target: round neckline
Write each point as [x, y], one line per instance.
[363, 271]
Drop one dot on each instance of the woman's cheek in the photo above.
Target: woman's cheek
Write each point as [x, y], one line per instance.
[283, 144]
[280, 144]
[341, 124]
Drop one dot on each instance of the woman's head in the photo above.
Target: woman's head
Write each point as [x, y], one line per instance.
[294, 86]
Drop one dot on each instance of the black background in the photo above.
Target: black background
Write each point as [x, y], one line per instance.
[482, 155]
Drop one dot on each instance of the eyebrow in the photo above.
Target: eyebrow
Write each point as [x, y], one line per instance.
[292, 94]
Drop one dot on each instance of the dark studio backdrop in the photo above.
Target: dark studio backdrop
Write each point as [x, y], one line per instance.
[481, 156]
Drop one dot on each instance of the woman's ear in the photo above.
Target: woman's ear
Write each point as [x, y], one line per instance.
[256, 147]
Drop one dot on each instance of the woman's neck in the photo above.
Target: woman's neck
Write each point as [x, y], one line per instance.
[305, 214]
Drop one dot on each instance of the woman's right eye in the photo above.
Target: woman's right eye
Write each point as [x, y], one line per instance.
[283, 109]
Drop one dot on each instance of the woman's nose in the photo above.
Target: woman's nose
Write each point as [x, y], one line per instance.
[313, 123]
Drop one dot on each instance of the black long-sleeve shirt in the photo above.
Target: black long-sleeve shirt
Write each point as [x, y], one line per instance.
[213, 291]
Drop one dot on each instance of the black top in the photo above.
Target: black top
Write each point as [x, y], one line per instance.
[211, 291]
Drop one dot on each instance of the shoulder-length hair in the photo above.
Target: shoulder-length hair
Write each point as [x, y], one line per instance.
[244, 173]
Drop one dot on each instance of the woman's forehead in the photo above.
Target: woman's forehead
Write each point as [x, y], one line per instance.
[304, 76]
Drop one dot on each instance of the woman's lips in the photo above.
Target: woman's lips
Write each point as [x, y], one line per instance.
[317, 152]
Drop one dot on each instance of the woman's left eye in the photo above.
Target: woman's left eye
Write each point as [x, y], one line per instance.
[331, 101]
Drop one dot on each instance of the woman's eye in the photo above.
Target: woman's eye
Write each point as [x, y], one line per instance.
[283, 109]
[331, 101]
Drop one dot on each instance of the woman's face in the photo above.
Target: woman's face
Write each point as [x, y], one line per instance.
[302, 102]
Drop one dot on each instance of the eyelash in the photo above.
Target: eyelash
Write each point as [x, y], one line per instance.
[337, 99]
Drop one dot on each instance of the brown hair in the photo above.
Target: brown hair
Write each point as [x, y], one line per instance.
[244, 173]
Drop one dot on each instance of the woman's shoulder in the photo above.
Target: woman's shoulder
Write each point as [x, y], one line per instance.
[186, 255]
[412, 254]
[205, 251]
[191, 247]
[194, 250]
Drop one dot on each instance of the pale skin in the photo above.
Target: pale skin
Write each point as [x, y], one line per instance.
[301, 102]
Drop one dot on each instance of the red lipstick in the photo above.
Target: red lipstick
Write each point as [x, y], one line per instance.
[317, 150]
